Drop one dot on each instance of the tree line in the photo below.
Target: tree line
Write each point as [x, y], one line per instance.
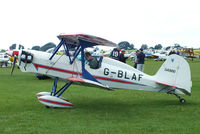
[127, 46]
[42, 48]
[122, 45]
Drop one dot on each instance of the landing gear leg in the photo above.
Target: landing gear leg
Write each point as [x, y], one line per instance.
[54, 99]
[180, 99]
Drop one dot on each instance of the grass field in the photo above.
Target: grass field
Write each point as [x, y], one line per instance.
[96, 111]
[197, 51]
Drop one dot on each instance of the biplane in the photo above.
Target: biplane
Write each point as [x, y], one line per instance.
[173, 77]
[189, 53]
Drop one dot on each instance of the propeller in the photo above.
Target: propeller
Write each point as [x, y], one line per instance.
[13, 53]
[13, 65]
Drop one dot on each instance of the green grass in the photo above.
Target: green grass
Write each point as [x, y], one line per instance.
[197, 51]
[96, 111]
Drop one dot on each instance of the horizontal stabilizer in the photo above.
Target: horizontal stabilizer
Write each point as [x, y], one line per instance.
[87, 82]
[166, 84]
[179, 88]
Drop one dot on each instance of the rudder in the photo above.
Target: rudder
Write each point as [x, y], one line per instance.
[175, 72]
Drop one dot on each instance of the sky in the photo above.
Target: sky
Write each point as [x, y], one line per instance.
[151, 22]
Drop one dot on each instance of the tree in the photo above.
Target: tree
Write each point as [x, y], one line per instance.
[21, 47]
[176, 45]
[158, 46]
[167, 47]
[144, 46]
[35, 48]
[2, 50]
[13, 46]
[151, 47]
[47, 46]
[131, 47]
[124, 45]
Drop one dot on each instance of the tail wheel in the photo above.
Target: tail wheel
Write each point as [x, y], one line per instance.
[182, 100]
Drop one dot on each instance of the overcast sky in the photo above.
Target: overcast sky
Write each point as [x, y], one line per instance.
[37, 22]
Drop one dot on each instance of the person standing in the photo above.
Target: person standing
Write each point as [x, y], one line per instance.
[172, 52]
[115, 53]
[135, 59]
[140, 60]
[122, 58]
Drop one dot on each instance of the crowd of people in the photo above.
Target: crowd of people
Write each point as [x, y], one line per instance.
[138, 60]
[173, 52]
[118, 54]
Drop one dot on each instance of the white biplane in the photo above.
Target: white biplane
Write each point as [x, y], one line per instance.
[4, 59]
[173, 77]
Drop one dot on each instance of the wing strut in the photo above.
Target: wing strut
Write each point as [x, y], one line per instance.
[56, 49]
[54, 92]
[79, 45]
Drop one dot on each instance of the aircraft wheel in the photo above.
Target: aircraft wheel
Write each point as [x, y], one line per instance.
[47, 106]
[182, 100]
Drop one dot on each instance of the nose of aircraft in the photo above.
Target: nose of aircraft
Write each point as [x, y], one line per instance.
[12, 53]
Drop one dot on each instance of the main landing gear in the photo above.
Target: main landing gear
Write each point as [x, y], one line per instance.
[53, 99]
[180, 99]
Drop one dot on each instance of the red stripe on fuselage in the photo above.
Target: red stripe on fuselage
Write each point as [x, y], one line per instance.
[56, 69]
[76, 73]
[115, 80]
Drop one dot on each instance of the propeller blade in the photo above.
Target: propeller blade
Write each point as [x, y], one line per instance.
[13, 66]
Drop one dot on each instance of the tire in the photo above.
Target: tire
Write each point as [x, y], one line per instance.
[182, 100]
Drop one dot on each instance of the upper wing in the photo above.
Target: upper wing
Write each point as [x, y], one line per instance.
[74, 38]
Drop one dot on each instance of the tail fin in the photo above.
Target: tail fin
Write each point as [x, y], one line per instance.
[175, 72]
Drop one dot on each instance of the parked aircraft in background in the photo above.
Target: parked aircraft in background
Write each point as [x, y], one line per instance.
[189, 53]
[4, 59]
